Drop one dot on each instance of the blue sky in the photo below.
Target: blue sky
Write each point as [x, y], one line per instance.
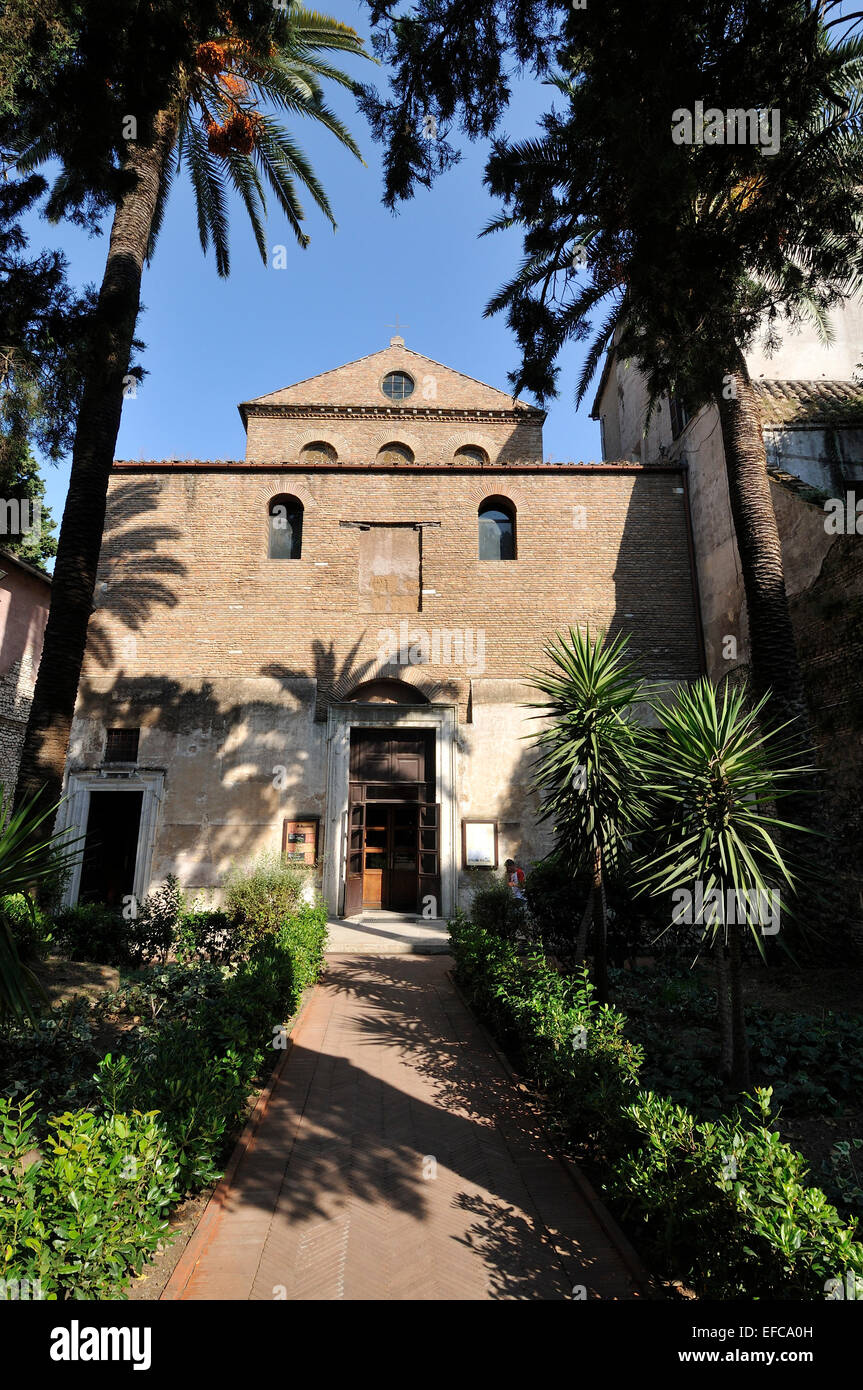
[211, 343]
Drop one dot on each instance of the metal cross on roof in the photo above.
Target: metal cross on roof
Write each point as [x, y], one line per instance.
[399, 327]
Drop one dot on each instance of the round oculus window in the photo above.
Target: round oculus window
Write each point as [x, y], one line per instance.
[397, 386]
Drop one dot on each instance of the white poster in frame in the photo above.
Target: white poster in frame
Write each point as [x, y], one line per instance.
[479, 844]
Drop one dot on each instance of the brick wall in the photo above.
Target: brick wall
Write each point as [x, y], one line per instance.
[347, 409]
[186, 587]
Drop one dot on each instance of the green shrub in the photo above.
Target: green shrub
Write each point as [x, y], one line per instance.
[495, 909]
[162, 993]
[198, 1068]
[843, 1176]
[811, 1062]
[724, 1204]
[83, 1217]
[161, 1111]
[91, 932]
[304, 936]
[262, 898]
[150, 933]
[555, 902]
[205, 934]
[30, 925]
[728, 1207]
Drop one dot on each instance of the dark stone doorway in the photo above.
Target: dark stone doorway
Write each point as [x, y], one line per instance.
[111, 847]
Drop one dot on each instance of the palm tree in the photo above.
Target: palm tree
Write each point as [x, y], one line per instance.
[214, 127]
[714, 776]
[588, 770]
[690, 252]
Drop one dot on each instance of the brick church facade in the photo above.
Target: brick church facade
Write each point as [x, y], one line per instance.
[324, 647]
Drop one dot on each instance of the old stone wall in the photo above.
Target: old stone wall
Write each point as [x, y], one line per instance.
[227, 660]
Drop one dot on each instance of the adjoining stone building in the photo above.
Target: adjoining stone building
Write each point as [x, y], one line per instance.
[323, 647]
[811, 403]
[25, 596]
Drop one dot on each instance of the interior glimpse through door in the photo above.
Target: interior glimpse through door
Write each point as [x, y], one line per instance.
[393, 850]
[390, 857]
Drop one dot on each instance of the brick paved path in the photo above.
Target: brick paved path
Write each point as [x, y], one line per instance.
[396, 1160]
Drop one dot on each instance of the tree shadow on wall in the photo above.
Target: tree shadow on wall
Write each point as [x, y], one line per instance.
[133, 570]
[336, 681]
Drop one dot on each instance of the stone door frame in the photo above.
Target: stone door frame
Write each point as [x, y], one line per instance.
[74, 814]
[347, 715]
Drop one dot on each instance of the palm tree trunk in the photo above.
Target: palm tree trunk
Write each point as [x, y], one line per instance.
[775, 665]
[600, 944]
[724, 1012]
[48, 727]
[740, 1043]
[774, 660]
[581, 935]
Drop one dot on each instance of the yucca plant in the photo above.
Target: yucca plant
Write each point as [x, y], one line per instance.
[29, 858]
[590, 770]
[715, 776]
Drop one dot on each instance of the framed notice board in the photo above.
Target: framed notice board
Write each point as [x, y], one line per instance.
[479, 844]
[300, 840]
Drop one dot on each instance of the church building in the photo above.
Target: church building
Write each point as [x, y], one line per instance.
[325, 647]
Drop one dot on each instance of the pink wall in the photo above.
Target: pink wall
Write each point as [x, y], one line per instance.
[24, 601]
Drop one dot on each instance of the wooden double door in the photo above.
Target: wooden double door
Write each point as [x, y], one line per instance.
[390, 851]
[393, 857]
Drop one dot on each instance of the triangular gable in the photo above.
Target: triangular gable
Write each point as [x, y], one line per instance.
[358, 383]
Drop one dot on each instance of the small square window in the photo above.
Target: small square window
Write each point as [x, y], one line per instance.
[122, 746]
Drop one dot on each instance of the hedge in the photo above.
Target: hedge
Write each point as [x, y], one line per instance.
[84, 1195]
[724, 1206]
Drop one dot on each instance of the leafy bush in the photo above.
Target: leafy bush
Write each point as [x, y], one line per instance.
[555, 902]
[843, 1176]
[724, 1204]
[54, 1056]
[728, 1206]
[810, 1061]
[495, 909]
[142, 1125]
[92, 932]
[30, 926]
[205, 934]
[304, 936]
[88, 1211]
[197, 1070]
[216, 1030]
[262, 898]
[150, 933]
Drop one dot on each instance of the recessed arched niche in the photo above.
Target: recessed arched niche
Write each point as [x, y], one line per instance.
[387, 692]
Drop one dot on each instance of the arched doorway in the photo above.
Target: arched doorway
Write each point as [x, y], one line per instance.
[393, 861]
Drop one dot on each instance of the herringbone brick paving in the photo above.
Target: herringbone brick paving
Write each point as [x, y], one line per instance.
[397, 1161]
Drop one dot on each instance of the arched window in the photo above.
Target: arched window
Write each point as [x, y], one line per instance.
[496, 529]
[318, 452]
[286, 528]
[395, 453]
[471, 453]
